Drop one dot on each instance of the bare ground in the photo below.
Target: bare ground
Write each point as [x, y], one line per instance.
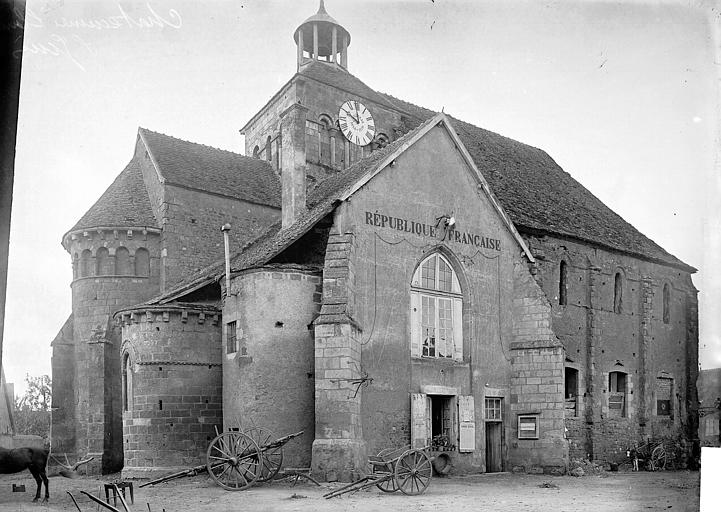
[625, 491]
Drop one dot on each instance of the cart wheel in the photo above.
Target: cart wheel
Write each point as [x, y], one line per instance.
[658, 458]
[272, 457]
[234, 461]
[388, 485]
[413, 472]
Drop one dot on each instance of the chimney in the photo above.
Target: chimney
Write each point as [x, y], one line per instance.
[292, 167]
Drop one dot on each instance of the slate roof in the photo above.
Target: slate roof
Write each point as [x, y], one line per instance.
[540, 197]
[274, 240]
[125, 203]
[341, 79]
[209, 169]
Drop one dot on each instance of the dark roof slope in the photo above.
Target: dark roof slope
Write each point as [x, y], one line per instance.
[541, 197]
[125, 203]
[334, 76]
[213, 170]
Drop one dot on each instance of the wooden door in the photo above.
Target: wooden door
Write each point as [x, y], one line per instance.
[494, 462]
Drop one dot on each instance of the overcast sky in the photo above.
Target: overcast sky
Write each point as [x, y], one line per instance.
[623, 97]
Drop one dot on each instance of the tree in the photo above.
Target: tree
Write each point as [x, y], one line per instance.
[32, 410]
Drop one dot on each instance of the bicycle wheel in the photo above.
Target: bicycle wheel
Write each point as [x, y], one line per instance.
[658, 458]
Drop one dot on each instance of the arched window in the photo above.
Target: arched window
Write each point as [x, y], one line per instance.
[127, 377]
[256, 151]
[618, 293]
[268, 152]
[436, 310]
[563, 283]
[666, 303]
[142, 262]
[122, 262]
[102, 262]
[86, 263]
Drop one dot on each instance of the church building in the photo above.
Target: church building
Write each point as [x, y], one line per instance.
[396, 276]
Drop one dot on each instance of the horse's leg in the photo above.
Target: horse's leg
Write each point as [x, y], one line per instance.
[36, 476]
[44, 476]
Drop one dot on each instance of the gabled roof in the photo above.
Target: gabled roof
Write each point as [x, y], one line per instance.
[542, 198]
[125, 203]
[213, 170]
[339, 78]
[321, 202]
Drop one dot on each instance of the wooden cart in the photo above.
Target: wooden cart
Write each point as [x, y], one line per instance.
[404, 469]
[237, 460]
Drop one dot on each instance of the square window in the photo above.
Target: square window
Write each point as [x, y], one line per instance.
[493, 409]
[528, 427]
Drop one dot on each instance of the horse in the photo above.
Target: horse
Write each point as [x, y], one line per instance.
[33, 459]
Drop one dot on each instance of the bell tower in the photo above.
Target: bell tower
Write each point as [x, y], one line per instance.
[322, 38]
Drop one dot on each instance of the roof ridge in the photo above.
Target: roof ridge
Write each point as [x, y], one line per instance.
[195, 143]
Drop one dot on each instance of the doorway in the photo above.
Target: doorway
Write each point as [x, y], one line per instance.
[494, 435]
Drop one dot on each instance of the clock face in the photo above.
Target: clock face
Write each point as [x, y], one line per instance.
[356, 122]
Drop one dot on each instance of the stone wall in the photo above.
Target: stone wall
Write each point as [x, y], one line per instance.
[106, 279]
[269, 375]
[174, 387]
[630, 337]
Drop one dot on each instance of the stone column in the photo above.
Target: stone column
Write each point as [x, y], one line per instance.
[334, 44]
[293, 168]
[315, 41]
[643, 343]
[344, 52]
[339, 451]
[300, 47]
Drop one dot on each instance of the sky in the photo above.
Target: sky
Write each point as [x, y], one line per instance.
[624, 96]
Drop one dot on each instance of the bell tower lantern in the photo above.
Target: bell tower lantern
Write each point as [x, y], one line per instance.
[322, 38]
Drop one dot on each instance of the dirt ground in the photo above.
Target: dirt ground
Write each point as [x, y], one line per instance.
[624, 491]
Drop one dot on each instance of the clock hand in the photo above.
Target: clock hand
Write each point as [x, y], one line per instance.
[352, 116]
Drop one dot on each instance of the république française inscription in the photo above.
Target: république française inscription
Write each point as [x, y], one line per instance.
[439, 230]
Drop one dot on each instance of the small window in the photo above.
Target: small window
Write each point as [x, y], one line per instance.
[562, 284]
[268, 149]
[571, 391]
[618, 293]
[617, 394]
[493, 409]
[231, 342]
[127, 384]
[528, 427]
[666, 303]
[711, 426]
[256, 152]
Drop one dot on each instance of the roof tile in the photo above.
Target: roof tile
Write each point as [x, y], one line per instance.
[209, 169]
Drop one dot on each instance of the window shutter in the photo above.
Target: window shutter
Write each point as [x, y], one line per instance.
[419, 420]
[415, 325]
[458, 330]
[467, 424]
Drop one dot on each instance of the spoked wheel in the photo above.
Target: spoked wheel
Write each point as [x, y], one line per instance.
[413, 472]
[388, 484]
[658, 458]
[234, 461]
[272, 457]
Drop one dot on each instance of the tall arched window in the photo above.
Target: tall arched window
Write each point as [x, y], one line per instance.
[666, 303]
[618, 293]
[436, 310]
[562, 283]
[256, 152]
[142, 262]
[86, 263]
[102, 262]
[122, 262]
[127, 377]
[268, 149]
